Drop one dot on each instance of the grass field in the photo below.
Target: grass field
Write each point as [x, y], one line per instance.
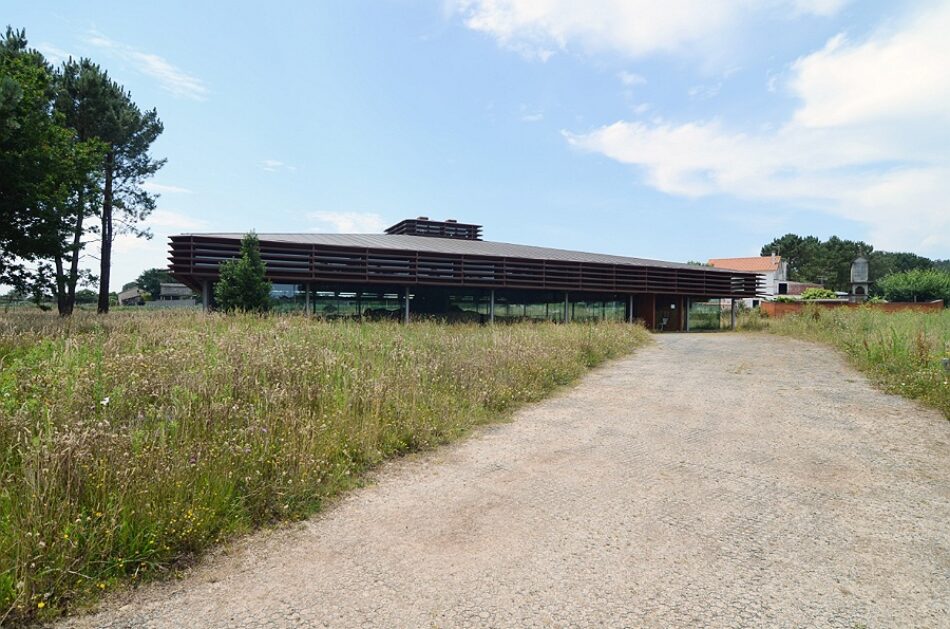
[130, 442]
[902, 351]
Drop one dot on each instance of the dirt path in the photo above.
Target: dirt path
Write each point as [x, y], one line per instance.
[718, 479]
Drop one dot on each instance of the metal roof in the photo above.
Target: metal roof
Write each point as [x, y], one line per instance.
[457, 247]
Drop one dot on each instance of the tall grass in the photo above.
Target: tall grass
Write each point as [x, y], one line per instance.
[900, 351]
[132, 441]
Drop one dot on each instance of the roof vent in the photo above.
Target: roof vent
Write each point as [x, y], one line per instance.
[450, 228]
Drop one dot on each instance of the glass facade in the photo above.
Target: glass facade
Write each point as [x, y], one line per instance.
[454, 305]
[705, 314]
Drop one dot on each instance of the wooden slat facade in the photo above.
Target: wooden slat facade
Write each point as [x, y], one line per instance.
[195, 259]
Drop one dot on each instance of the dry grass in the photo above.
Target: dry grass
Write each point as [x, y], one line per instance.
[900, 351]
[132, 441]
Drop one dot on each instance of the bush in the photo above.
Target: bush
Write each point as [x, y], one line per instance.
[916, 285]
[819, 293]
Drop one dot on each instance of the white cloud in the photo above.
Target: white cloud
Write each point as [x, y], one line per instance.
[349, 222]
[705, 92]
[630, 78]
[158, 188]
[538, 28]
[274, 165]
[161, 220]
[54, 54]
[133, 255]
[171, 78]
[531, 115]
[869, 141]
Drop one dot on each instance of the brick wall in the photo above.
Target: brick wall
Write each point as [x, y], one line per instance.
[780, 309]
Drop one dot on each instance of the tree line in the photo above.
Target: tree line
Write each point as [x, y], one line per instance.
[74, 153]
[828, 262]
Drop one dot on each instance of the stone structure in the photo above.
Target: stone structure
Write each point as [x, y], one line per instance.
[859, 279]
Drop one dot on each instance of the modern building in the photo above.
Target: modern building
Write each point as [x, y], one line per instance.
[443, 269]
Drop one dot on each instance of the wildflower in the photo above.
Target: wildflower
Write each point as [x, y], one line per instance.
[40, 605]
[105, 401]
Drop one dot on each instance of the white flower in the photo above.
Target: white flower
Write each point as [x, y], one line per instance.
[105, 401]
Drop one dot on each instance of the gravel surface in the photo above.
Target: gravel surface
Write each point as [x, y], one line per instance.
[709, 480]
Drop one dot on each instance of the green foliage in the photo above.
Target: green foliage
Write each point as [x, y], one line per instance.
[86, 296]
[917, 285]
[130, 442]
[151, 280]
[784, 299]
[243, 286]
[901, 351]
[42, 163]
[818, 293]
[812, 260]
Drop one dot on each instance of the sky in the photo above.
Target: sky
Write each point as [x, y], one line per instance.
[675, 130]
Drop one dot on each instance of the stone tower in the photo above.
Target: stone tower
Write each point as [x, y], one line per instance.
[859, 279]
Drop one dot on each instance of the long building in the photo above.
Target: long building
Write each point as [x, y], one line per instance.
[443, 269]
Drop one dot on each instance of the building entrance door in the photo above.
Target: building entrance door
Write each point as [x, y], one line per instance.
[669, 313]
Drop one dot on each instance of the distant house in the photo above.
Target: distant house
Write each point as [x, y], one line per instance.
[173, 291]
[173, 295]
[775, 271]
[131, 296]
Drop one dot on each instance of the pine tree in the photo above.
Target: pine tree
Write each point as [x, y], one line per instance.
[243, 286]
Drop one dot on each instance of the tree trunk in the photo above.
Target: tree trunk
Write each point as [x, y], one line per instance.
[105, 262]
[61, 306]
[73, 276]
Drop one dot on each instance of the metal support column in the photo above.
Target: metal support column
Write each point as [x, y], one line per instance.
[405, 315]
[630, 311]
[732, 313]
[686, 314]
[306, 299]
[567, 308]
[491, 307]
[206, 295]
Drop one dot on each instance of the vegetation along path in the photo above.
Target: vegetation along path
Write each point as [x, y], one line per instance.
[721, 479]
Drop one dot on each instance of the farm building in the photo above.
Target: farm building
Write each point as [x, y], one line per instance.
[425, 268]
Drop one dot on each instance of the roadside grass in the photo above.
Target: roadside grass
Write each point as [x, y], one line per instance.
[130, 442]
[900, 351]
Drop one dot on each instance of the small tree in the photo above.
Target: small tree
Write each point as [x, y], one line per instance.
[243, 286]
[151, 280]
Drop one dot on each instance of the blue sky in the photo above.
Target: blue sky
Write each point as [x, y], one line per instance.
[675, 130]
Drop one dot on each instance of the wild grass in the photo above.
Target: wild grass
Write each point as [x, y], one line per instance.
[133, 441]
[902, 352]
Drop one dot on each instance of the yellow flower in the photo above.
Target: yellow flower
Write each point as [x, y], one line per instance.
[40, 605]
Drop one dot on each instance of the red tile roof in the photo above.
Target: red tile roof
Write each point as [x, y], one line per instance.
[759, 264]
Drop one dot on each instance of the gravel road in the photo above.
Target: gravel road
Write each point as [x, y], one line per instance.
[709, 480]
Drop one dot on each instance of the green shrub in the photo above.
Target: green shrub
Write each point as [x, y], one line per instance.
[818, 293]
[916, 285]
